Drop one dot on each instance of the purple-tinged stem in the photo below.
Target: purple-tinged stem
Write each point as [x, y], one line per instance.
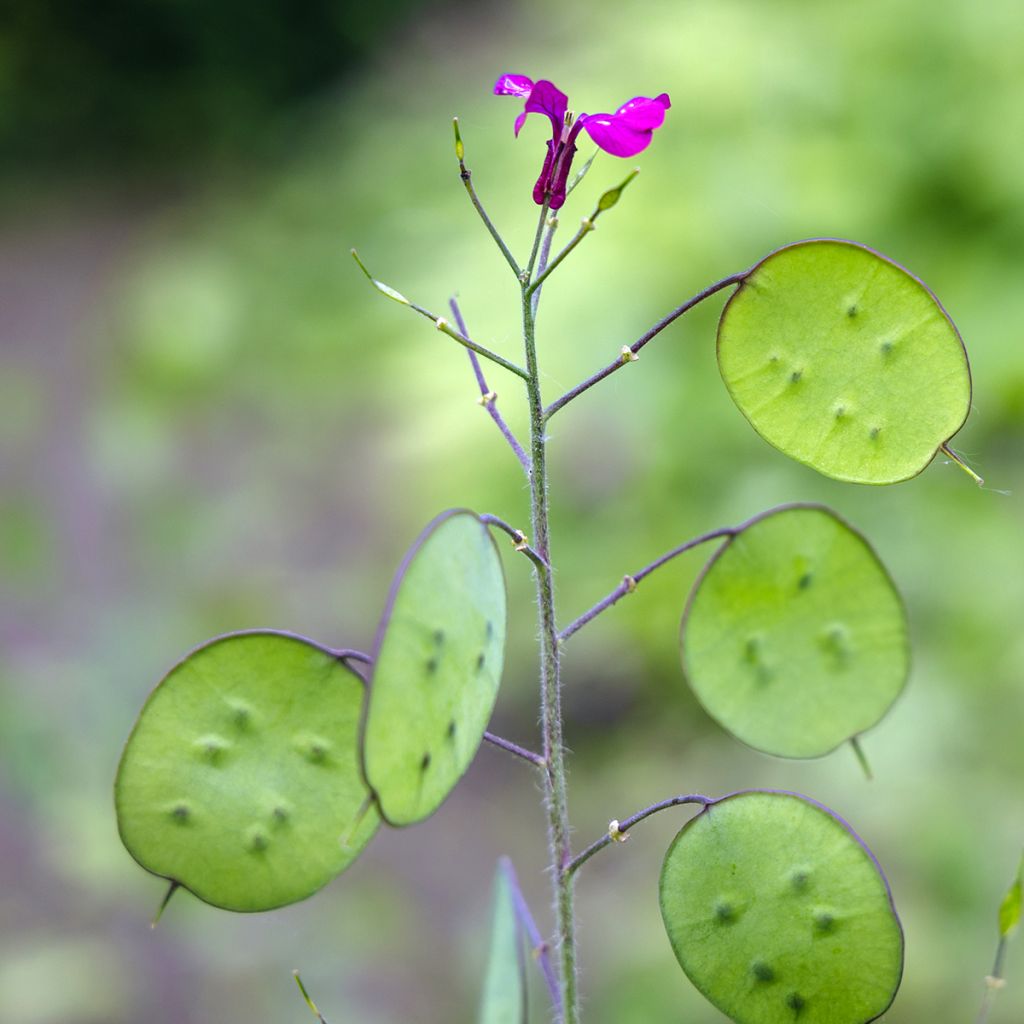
[514, 748]
[347, 654]
[528, 273]
[538, 944]
[467, 179]
[643, 340]
[545, 253]
[621, 828]
[629, 583]
[519, 538]
[489, 399]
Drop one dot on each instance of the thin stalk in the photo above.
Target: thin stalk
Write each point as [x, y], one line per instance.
[488, 399]
[518, 538]
[586, 226]
[631, 351]
[313, 1008]
[446, 328]
[467, 179]
[629, 583]
[555, 790]
[618, 831]
[993, 983]
[539, 947]
[545, 253]
[528, 273]
[513, 748]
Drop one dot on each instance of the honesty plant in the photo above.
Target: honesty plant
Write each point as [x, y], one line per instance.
[264, 762]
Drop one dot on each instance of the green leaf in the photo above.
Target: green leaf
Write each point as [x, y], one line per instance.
[778, 913]
[240, 780]
[438, 661]
[844, 361]
[795, 638]
[1010, 908]
[504, 995]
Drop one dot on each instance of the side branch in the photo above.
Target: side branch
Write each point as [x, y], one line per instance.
[440, 323]
[488, 399]
[467, 179]
[618, 831]
[629, 583]
[518, 538]
[538, 945]
[513, 748]
[606, 202]
[629, 353]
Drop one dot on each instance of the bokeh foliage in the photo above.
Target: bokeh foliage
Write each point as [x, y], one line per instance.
[215, 424]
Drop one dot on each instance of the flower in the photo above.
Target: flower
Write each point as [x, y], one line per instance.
[625, 133]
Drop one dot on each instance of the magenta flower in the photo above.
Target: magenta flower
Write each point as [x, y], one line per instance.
[625, 133]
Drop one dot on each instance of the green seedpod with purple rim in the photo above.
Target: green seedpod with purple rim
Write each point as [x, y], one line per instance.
[437, 664]
[240, 780]
[843, 360]
[779, 913]
[795, 638]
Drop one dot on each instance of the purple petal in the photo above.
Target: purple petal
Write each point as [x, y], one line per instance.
[645, 113]
[513, 85]
[545, 98]
[630, 129]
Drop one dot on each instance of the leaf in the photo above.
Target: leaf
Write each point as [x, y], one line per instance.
[795, 638]
[844, 361]
[240, 780]
[504, 995]
[437, 665]
[778, 913]
[1010, 908]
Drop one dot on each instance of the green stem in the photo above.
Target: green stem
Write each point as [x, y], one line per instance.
[555, 793]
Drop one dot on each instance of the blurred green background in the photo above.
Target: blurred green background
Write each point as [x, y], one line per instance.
[208, 421]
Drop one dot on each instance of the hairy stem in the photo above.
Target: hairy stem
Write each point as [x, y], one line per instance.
[555, 790]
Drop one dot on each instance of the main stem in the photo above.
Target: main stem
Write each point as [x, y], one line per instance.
[551, 701]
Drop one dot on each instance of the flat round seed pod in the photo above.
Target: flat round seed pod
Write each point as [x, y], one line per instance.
[844, 361]
[240, 780]
[778, 913]
[437, 665]
[795, 637]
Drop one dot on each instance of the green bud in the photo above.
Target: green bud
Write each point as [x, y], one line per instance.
[460, 150]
